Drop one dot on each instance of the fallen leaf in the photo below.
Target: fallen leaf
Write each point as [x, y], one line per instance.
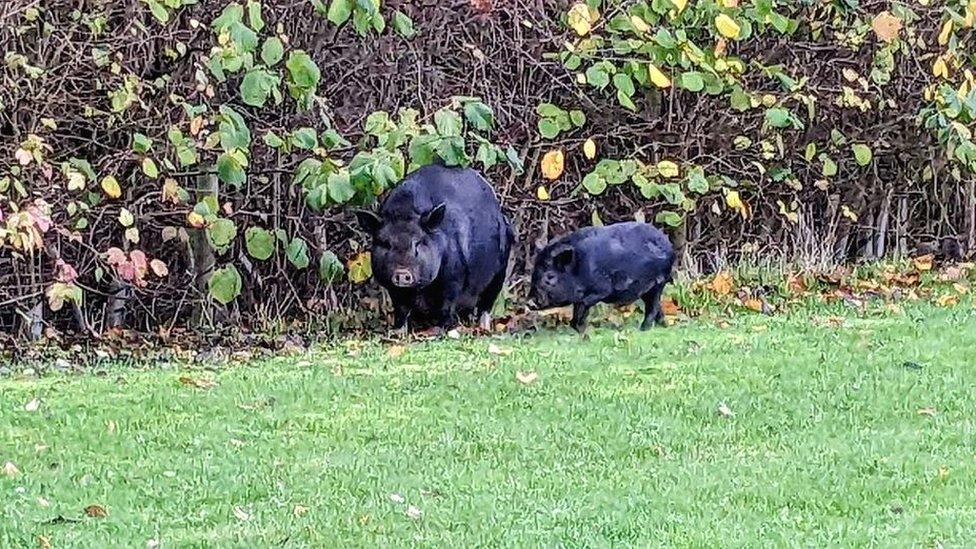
[454, 334]
[43, 502]
[96, 511]
[923, 262]
[33, 405]
[300, 510]
[542, 193]
[727, 26]
[947, 300]
[44, 542]
[669, 307]
[496, 350]
[724, 410]
[886, 26]
[188, 381]
[396, 351]
[952, 274]
[10, 470]
[159, 268]
[553, 164]
[589, 149]
[926, 412]
[111, 427]
[943, 472]
[722, 284]
[414, 512]
[526, 378]
[241, 514]
[397, 498]
[753, 304]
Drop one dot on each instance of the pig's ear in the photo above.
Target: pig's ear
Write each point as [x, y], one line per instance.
[564, 257]
[433, 218]
[369, 221]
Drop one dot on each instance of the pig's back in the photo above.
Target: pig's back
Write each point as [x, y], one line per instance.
[637, 248]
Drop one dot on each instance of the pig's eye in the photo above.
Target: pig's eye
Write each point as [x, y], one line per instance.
[550, 278]
[413, 247]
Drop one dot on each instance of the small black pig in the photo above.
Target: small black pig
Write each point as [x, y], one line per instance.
[440, 246]
[615, 264]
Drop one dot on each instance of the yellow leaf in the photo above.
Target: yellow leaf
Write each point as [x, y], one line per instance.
[886, 26]
[924, 262]
[579, 19]
[111, 187]
[542, 193]
[658, 78]
[360, 268]
[734, 202]
[722, 284]
[667, 169]
[939, 68]
[946, 32]
[727, 26]
[76, 181]
[589, 149]
[552, 164]
[526, 378]
[639, 24]
[680, 4]
[195, 220]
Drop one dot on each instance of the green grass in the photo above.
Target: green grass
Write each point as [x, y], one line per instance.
[618, 442]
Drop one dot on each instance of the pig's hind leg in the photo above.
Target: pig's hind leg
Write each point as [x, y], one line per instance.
[486, 301]
[652, 307]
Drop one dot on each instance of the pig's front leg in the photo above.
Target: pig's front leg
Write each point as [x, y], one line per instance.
[401, 312]
[448, 311]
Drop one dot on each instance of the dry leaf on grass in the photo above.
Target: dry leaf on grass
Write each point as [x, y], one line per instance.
[414, 512]
[199, 383]
[96, 511]
[300, 510]
[10, 470]
[926, 412]
[395, 351]
[397, 498]
[241, 514]
[724, 410]
[33, 405]
[526, 378]
[722, 284]
[886, 26]
[496, 350]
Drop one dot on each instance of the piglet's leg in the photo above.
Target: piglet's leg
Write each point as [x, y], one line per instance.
[580, 312]
[652, 307]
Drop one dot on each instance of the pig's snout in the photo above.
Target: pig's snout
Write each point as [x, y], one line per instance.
[403, 278]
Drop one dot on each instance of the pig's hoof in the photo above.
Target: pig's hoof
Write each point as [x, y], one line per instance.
[484, 321]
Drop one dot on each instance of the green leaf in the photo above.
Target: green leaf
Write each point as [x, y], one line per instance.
[232, 13]
[254, 15]
[303, 71]
[272, 140]
[339, 11]
[340, 187]
[421, 149]
[225, 284]
[448, 123]
[829, 166]
[297, 253]
[257, 86]
[305, 138]
[149, 168]
[810, 152]
[548, 128]
[696, 181]
[479, 115]
[578, 118]
[739, 100]
[512, 156]
[234, 133]
[625, 100]
[692, 81]
[230, 170]
[778, 117]
[158, 10]
[403, 25]
[140, 143]
[222, 233]
[548, 110]
[597, 76]
[594, 183]
[272, 51]
[863, 154]
[624, 83]
[260, 243]
[671, 219]
[330, 267]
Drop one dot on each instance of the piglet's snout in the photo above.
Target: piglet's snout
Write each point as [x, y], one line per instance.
[403, 278]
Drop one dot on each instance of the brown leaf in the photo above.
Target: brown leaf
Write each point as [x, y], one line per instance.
[96, 511]
[496, 350]
[669, 306]
[886, 26]
[44, 542]
[10, 470]
[188, 381]
[753, 304]
[552, 164]
[722, 284]
[926, 412]
[797, 284]
[947, 300]
[924, 262]
[300, 510]
[526, 378]
[395, 351]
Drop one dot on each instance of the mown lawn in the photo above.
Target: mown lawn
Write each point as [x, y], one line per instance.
[853, 432]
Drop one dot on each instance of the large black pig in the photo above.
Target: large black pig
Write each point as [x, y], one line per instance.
[616, 264]
[440, 246]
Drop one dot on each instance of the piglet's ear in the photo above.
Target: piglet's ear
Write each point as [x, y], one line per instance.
[564, 257]
[369, 221]
[432, 219]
